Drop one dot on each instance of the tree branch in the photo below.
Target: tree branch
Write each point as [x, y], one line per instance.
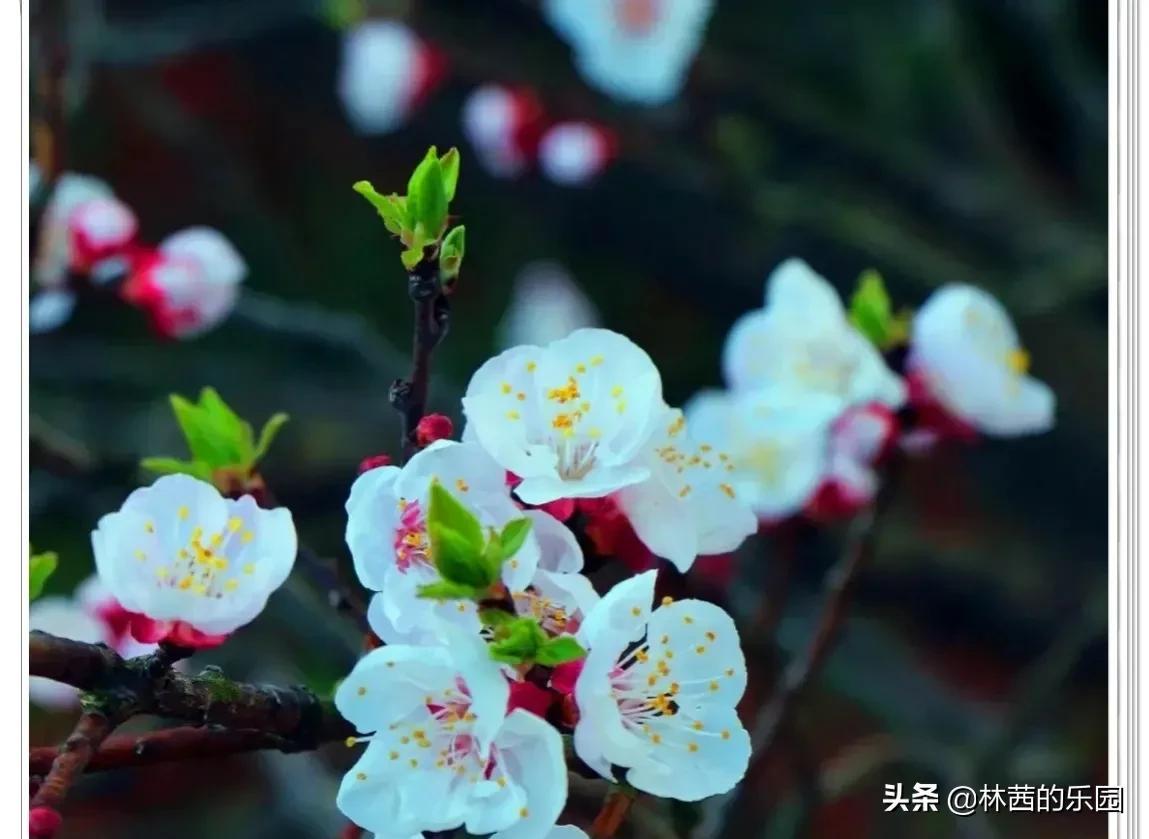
[168, 745]
[69, 763]
[432, 319]
[132, 687]
[613, 813]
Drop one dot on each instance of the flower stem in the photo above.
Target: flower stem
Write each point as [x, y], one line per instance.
[614, 810]
[72, 758]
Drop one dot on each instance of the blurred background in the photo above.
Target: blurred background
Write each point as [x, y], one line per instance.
[934, 140]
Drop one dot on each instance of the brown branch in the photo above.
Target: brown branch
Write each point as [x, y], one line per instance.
[48, 126]
[69, 763]
[131, 687]
[613, 813]
[169, 745]
[432, 318]
[769, 729]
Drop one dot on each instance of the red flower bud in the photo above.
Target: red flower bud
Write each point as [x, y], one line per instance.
[43, 822]
[374, 462]
[433, 427]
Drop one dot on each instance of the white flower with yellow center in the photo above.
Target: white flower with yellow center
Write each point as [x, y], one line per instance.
[178, 551]
[776, 443]
[442, 751]
[803, 341]
[966, 349]
[633, 50]
[387, 535]
[658, 691]
[569, 418]
[689, 506]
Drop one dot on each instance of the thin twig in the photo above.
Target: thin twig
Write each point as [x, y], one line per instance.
[613, 813]
[94, 725]
[166, 746]
[432, 318]
[841, 581]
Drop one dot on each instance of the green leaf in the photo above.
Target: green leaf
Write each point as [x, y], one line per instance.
[518, 641]
[451, 252]
[448, 511]
[41, 566]
[230, 429]
[427, 198]
[267, 435]
[214, 434]
[870, 311]
[444, 590]
[411, 257]
[391, 208]
[514, 534]
[449, 163]
[174, 466]
[456, 559]
[559, 650]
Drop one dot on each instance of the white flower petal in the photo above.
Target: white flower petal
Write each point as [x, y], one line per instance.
[622, 612]
[531, 751]
[691, 763]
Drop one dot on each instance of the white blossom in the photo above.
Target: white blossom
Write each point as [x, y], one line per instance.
[657, 694]
[689, 506]
[573, 153]
[776, 440]
[385, 68]
[559, 597]
[50, 309]
[191, 284]
[387, 535]
[178, 552]
[803, 341]
[633, 50]
[441, 750]
[569, 418]
[546, 305]
[83, 223]
[966, 349]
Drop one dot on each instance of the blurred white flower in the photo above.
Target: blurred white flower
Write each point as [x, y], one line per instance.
[83, 224]
[569, 418]
[546, 305]
[181, 555]
[965, 351]
[657, 694]
[387, 535]
[859, 439]
[386, 69]
[802, 341]
[689, 507]
[776, 442]
[50, 309]
[573, 153]
[633, 50]
[190, 284]
[438, 731]
[502, 125]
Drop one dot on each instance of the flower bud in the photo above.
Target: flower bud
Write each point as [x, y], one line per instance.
[43, 822]
[374, 462]
[433, 427]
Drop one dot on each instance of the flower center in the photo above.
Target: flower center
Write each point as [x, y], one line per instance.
[412, 547]
[552, 616]
[202, 566]
[823, 366]
[637, 17]
[1017, 361]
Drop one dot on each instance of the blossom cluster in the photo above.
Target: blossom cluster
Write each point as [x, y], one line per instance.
[812, 406]
[473, 691]
[186, 284]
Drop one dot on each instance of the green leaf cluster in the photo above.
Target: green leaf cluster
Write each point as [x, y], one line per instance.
[41, 566]
[218, 439]
[468, 560]
[419, 218]
[872, 314]
[520, 640]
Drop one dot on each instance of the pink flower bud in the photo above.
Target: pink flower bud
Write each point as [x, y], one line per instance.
[43, 822]
[504, 126]
[374, 462]
[433, 427]
[574, 153]
[530, 697]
